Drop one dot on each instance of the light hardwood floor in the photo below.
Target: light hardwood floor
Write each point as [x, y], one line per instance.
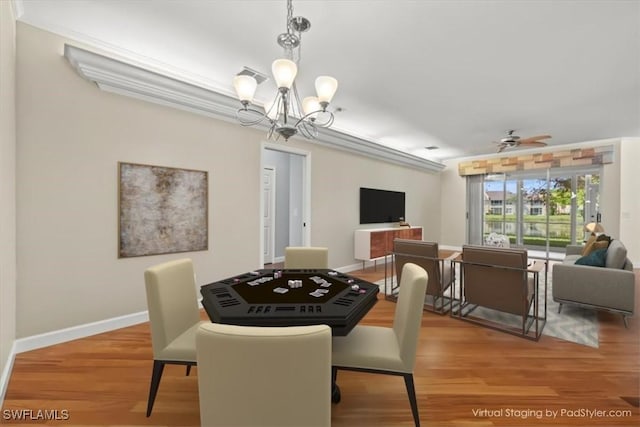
[465, 375]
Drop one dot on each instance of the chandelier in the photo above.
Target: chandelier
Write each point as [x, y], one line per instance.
[285, 114]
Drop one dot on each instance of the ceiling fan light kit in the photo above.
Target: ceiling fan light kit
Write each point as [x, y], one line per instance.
[285, 114]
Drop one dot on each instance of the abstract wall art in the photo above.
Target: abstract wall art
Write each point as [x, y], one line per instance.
[161, 210]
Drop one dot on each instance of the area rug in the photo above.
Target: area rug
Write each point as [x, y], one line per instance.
[574, 324]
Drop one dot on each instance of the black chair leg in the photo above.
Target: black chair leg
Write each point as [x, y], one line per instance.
[156, 374]
[559, 308]
[411, 391]
[188, 369]
[335, 390]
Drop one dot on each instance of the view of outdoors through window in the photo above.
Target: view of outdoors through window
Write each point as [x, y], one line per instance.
[530, 211]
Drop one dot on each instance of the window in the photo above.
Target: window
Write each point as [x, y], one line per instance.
[536, 209]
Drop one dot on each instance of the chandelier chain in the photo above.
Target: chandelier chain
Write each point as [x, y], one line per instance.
[289, 15]
[291, 49]
[298, 50]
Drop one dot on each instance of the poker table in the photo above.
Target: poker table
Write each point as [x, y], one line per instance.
[290, 298]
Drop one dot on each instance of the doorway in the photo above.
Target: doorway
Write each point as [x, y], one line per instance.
[269, 213]
[289, 191]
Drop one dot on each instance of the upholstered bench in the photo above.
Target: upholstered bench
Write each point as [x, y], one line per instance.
[610, 287]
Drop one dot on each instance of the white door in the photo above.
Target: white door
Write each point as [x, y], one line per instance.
[269, 214]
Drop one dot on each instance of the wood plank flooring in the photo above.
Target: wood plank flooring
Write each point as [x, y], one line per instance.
[465, 375]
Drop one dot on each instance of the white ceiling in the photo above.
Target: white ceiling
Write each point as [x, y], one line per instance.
[455, 74]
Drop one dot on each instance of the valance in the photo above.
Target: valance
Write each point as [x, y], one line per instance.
[557, 159]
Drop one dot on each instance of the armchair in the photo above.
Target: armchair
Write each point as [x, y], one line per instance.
[425, 255]
[499, 279]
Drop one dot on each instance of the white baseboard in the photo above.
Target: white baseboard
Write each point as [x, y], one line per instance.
[81, 331]
[6, 373]
[349, 268]
[68, 334]
[63, 335]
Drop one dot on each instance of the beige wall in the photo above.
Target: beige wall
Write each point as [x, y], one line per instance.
[72, 135]
[335, 205]
[7, 182]
[630, 197]
[453, 206]
[613, 199]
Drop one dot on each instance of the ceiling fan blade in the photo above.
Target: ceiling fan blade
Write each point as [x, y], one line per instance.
[501, 148]
[534, 138]
[534, 143]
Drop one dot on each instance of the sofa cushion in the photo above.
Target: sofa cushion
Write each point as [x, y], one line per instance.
[596, 258]
[570, 259]
[616, 255]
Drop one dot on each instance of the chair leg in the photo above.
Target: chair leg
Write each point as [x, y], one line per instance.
[559, 308]
[188, 369]
[624, 319]
[335, 390]
[156, 374]
[411, 391]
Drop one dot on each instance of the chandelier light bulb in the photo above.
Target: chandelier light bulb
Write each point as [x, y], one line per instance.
[284, 72]
[325, 88]
[245, 87]
[311, 104]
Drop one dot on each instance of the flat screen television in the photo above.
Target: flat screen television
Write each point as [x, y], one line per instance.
[378, 206]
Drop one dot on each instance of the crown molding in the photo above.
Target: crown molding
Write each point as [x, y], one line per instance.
[113, 75]
[337, 139]
[17, 8]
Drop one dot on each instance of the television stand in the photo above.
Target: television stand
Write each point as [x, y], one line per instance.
[375, 243]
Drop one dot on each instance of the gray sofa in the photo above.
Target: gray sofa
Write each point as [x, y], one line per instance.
[610, 288]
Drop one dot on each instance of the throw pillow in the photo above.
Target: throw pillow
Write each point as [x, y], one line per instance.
[598, 244]
[596, 241]
[596, 258]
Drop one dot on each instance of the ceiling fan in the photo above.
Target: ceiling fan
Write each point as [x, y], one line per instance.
[512, 141]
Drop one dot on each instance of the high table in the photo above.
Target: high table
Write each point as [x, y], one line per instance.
[291, 298]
